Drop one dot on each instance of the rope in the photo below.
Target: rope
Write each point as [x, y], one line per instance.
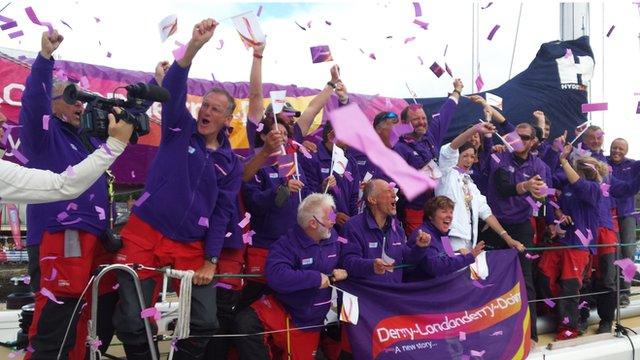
[515, 41]
[542, 248]
[184, 304]
[75, 309]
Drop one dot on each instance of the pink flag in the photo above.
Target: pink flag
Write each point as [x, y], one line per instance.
[352, 127]
[479, 82]
[594, 107]
[628, 268]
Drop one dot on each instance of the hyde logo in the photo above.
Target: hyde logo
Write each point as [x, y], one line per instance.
[574, 71]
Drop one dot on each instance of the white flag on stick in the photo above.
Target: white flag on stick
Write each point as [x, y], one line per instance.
[248, 28]
[277, 100]
[339, 160]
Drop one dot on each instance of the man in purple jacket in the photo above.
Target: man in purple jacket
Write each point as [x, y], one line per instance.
[376, 243]
[186, 209]
[300, 267]
[64, 235]
[622, 167]
[516, 181]
[422, 146]
[344, 188]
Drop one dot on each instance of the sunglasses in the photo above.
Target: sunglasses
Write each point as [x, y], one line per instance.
[320, 222]
[390, 115]
[525, 137]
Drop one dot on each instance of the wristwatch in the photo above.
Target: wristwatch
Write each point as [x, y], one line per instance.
[213, 260]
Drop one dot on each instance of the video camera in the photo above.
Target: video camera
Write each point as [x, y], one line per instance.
[95, 121]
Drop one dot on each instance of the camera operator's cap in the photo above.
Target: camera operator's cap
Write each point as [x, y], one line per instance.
[287, 108]
[383, 116]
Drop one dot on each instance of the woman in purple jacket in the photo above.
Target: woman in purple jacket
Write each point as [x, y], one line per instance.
[439, 259]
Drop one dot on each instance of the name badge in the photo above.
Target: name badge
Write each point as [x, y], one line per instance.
[511, 169]
[373, 245]
[191, 149]
[415, 153]
[362, 162]
[324, 170]
[332, 255]
[307, 261]
[273, 175]
[568, 194]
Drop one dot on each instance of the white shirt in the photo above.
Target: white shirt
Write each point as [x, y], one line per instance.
[32, 186]
[450, 185]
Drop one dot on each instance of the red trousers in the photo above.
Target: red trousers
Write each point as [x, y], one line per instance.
[301, 344]
[412, 220]
[66, 277]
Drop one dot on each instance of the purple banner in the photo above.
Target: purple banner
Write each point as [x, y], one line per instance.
[452, 317]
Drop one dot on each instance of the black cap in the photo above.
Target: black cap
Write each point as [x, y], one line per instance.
[286, 108]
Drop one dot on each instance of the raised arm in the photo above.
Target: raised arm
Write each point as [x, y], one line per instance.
[33, 186]
[438, 126]
[175, 114]
[318, 102]
[572, 175]
[256, 97]
[36, 98]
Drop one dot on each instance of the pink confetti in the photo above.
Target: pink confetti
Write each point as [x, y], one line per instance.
[260, 127]
[409, 39]
[565, 320]
[16, 34]
[106, 148]
[61, 216]
[178, 53]
[583, 305]
[549, 191]
[462, 336]
[436, 69]
[54, 274]
[228, 234]
[100, 212]
[493, 32]
[95, 344]
[72, 206]
[71, 222]
[224, 173]
[421, 61]
[422, 24]
[628, 268]
[535, 205]
[91, 196]
[373, 56]
[487, 6]
[583, 239]
[8, 25]
[610, 30]
[203, 221]
[495, 158]
[477, 353]
[247, 238]
[553, 203]
[392, 185]
[221, 45]
[479, 82]
[116, 286]
[108, 54]
[604, 188]
[568, 53]
[26, 279]
[327, 22]
[175, 129]
[97, 19]
[45, 122]
[479, 285]
[174, 344]
[417, 9]
[594, 107]
[259, 11]
[342, 240]
[300, 26]
[150, 312]
[34, 19]
[309, 24]
[133, 174]
[48, 294]
[531, 257]
[70, 171]
[66, 24]
[245, 221]
[497, 333]
[142, 199]
[348, 175]
[19, 156]
[332, 216]
[223, 285]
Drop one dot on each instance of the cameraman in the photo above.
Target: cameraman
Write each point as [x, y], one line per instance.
[191, 204]
[64, 235]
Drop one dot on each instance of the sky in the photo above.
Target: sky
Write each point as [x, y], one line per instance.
[129, 30]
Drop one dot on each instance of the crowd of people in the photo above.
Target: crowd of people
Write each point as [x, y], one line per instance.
[313, 228]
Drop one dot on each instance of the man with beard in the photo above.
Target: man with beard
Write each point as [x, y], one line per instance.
[300, 267]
